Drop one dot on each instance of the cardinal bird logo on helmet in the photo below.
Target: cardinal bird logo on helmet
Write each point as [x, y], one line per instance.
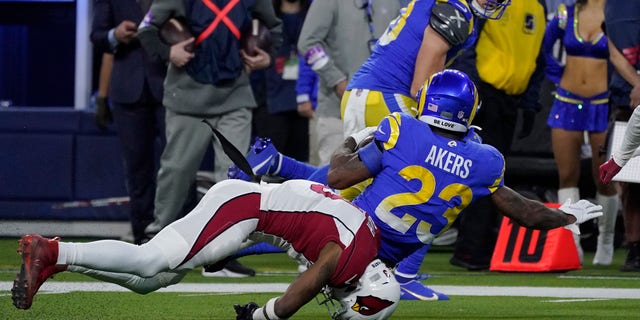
[370, 305]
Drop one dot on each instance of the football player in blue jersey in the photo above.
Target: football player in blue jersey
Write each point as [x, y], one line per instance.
[425, 170]
[425, 38]
[422, 40]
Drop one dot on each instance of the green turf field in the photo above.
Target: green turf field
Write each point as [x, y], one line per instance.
[469, 299]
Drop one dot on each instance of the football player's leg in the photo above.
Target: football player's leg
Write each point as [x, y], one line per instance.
[352, 109]
[319, 175]
[216, 228]
[258, 248]
[265, 159]
[133, 282]
[42, 258]
[407, 275]
[114, 256]
[39, 257]
[291, 168]
[365, 108]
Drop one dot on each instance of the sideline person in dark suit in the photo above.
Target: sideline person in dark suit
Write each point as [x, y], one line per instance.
[135, 93]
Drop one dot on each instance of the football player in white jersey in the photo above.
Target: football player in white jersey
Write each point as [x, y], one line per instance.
[306, 219]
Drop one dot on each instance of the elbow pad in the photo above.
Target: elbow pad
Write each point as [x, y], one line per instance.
[371, 157]
[449, 23]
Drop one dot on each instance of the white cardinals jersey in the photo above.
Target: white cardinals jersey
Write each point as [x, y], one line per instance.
[299, 216]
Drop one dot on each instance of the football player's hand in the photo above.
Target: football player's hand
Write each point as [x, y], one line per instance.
[245, 312]
[103, 116]
[583, 210]
[608, 170]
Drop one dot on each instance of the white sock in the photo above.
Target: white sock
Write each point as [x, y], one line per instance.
[568, 193]
[133, 282]
[114, 256]
[65, 250]
[606, 229]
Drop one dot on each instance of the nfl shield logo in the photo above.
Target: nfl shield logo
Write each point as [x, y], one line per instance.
[460, 114]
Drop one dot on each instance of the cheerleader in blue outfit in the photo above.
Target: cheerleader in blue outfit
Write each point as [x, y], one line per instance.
[581, 105]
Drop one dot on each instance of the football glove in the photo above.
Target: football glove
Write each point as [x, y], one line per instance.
[583, 210]
[608, 170]
[245, 312]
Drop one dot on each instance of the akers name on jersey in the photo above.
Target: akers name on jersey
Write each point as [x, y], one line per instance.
[449, 161]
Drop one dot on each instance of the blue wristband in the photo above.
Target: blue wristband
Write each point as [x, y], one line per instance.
[371, 156]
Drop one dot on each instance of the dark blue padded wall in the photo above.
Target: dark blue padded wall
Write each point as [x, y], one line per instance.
[54, 162]
[33, 72]
[36, 166]
[99, 172]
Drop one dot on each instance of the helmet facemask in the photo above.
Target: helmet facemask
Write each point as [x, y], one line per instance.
[492, 9]
[375, 296]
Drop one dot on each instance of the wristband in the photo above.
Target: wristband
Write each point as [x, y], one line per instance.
[362, 134]
[302, 98]
[267, 312]
[316, 57]
[371, 157]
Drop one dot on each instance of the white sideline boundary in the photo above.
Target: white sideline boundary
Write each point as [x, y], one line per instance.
[549, 292]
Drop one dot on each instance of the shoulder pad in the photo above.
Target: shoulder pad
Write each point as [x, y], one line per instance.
[453, 22]
[389, 130]
[562, 16]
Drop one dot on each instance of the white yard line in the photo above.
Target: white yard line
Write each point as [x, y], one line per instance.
[210, 288]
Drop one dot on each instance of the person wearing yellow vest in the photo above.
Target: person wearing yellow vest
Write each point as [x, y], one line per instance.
[507, 65]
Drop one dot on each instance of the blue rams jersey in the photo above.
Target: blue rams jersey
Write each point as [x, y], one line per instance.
[391, 64]
[425, 181]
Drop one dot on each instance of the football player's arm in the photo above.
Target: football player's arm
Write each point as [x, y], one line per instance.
[631, 139]
[431, 58]
[447, 28]
[535, 215]
[306, 286]
[346, 167]
[619, 158]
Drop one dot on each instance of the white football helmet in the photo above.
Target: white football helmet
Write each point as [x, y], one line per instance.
[375, 296]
